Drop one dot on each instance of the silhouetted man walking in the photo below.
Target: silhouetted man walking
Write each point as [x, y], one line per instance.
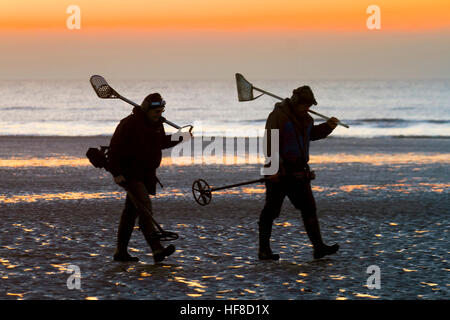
[296, 129]
[134, 155]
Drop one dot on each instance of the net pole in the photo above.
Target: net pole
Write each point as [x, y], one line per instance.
[268, 93]
[136, 105]
[128, 101]
[311, 111]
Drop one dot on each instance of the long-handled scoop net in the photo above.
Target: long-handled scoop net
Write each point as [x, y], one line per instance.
[202, 191]
[105, 91]
[245, 93]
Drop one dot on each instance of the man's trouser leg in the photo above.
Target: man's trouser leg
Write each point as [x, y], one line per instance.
[271, 210]
[143, 205]
[302, 198]
[126, 226]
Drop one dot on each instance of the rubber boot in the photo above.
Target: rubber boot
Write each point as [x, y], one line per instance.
[124, 232]
[264, 250]
[313, 231]
[159, 252]
[325, 250]
[160, 255]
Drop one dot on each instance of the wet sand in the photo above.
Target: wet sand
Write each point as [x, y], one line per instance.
[385, 201]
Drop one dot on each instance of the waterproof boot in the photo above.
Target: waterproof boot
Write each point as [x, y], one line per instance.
[313, 231]
[124, 232]
[161, 254]
[325, 250]
[264, 250]
[265, 253]
[124, 257]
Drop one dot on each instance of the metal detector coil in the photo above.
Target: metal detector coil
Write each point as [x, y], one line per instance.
[201, 192]
[164, 235]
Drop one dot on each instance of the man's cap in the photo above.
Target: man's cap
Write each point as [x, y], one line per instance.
[153, 100]
[304, 94]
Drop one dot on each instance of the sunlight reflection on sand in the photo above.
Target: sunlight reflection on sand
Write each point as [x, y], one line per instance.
[373, 159]
[404, 188]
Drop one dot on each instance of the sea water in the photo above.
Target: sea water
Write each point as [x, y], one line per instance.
[372, 108]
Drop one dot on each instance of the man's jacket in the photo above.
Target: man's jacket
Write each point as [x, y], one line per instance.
[135, 148]
[294, 136]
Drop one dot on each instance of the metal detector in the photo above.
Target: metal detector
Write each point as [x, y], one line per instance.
[202, 191]
[99, 159]
[245, 93]
[105, 91]
[161, 234]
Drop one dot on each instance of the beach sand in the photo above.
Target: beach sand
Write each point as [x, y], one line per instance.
[385, 201]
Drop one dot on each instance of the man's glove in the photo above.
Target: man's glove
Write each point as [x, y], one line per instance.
[333, 122]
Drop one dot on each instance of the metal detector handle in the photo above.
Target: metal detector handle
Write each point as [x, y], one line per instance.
[311, 111]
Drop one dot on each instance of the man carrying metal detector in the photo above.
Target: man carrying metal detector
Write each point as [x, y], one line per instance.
[133, 156]
[296, 129]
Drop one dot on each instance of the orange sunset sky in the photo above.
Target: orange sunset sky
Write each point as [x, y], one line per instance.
[268, 38]
[227, 14]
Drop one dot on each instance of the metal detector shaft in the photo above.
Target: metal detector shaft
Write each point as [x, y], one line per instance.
[138, 204]
[163, 235]
[314, 112]
[238, 184]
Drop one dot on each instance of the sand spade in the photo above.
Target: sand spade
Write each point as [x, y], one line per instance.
[245, 93]
[202, 191]
[105, 91]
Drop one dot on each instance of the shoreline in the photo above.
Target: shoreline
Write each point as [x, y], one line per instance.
[40, 146]
[30, 136]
